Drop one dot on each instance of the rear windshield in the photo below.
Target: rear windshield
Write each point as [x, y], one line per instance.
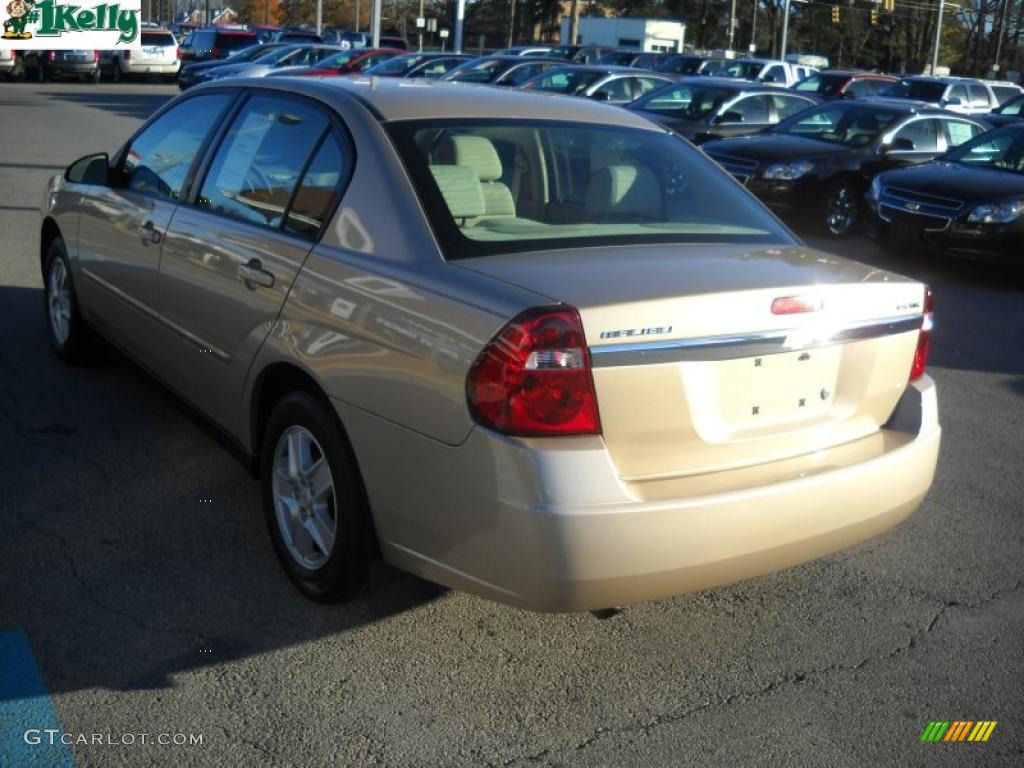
[156, 38]
[513, 186]
[918, 90]
[235, 42]
[827, 85]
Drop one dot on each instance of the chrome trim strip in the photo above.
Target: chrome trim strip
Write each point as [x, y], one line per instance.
[219, 354]
[732, 347]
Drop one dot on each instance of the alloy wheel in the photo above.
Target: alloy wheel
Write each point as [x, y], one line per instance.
[305, 503]
[58, 294]
[841, 211]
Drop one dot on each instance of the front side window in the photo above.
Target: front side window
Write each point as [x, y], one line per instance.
[159, 159]
[259, 161]
[923, 136]
[752, 109]
[856, 126]
[787, 106]
[569, 81]
[478, 72]
[744, 70]
[512, 186]
[775, 74]
[827, 85]
[689, 102]
[918, 90]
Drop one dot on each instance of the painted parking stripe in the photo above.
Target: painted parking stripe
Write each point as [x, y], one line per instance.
[25, 706]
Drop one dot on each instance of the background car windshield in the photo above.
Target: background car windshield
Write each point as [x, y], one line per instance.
[338, 59]
[399, 65]
[276, 55]
[1003, 150]
[687, 101]
[745, 70]
[856, 127]
[514, 186]
[563, 81]
[918, 90]
[827, 85]
[1013, 107]
[478, 72]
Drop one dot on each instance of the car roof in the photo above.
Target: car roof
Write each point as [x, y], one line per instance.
[396, 99]
[858, 73]
[910, 106]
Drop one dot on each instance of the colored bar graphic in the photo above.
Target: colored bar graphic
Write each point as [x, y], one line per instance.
[958, 730]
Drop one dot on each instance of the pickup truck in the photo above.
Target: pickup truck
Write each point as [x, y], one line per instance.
[766, 71]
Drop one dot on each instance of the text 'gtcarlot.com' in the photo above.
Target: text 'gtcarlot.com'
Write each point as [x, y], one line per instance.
[53, 736]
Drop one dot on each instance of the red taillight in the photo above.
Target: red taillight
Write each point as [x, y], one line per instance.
[95, 55]
[177, 53]
[924, 338]
[534, 377]
[52, 56]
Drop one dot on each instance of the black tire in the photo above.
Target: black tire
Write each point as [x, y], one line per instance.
[78, 345]
[841, 209]
[342, 575]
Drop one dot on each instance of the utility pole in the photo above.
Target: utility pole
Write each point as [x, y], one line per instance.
[1002, 34]
[512, 25]
[319, 16]
[574, 22]
[375, 23]
[460, 17]
[732, 23]
[753, 29]
[938, 39]
[357, 24]
[420, 29]
[785, 31]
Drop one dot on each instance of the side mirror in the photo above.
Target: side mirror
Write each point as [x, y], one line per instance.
[730, 116]
[91, 169]
[901, 145]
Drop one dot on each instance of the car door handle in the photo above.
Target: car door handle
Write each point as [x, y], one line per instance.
[149, 233]
[253, 275]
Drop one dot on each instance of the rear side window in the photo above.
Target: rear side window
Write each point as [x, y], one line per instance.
[260, 160]
[959, 131]
[1005, 92]
[753, 109]
[159, 159]
[319, 188]
[787, 106]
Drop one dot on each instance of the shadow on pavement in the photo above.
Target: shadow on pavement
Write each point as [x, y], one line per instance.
[137, 105]
[114, 567]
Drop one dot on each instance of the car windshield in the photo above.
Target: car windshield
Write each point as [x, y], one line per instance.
[276, 55]
[827, 85]
[398, 65]
[1002, 149]
[689, 102]
[509, 186]
[1012, 108]
[339, 59]
[918, 90]
[839, 124]
[568, 81]
[562, 51]
[744, 70]
[483, 71]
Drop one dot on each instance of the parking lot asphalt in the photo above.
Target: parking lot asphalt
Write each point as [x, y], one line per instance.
[149, 609]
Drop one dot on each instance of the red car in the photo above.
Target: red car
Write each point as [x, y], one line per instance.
[343, 63]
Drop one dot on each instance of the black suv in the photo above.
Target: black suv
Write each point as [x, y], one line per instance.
[50, 65]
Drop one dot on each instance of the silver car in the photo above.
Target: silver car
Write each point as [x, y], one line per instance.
[275, 61]
[537, 349]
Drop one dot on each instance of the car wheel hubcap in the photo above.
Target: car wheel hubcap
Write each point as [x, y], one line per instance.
[841, 211]
[58, 295]
[304, 500]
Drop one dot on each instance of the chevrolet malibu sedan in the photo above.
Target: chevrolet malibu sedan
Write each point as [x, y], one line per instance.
[816, 166]
[969, 203]
[537, 349]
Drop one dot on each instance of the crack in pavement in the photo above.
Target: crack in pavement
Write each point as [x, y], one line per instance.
[794, 679]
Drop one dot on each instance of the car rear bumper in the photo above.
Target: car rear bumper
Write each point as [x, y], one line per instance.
[150, 69]
[548, 525]
[69, 68]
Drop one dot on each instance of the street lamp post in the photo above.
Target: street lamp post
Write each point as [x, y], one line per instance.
[460, 15]
[938, 39]
[375, 22]
[732, 23]
[785, 31]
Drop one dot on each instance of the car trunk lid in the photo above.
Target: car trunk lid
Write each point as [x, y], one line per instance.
[694, 371]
